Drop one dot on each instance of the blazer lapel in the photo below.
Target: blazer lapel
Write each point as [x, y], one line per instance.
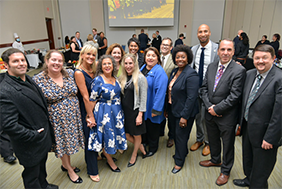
[225, 74]
[213, 52]
[181, 75]
[248, 87]
[212, 76]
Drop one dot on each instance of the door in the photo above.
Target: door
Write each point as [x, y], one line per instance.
[50, 33]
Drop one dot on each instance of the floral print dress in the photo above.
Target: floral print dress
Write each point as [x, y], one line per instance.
[109, 132]
[64, 113]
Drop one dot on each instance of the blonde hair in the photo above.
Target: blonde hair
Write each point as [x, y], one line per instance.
[86, 49]
[90, 38]
[123, 77]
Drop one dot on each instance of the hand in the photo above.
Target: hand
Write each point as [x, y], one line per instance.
[40, 130]
[90, 121]
[212, 112]
[183, 122]
[239, 63]
[165, 114]
[265, 145]
[154, 115]
[138, 120]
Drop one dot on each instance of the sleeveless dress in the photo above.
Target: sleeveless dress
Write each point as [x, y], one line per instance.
[75, 55]
[109, 132]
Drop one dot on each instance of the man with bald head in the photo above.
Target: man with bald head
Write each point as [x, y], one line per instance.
[203, 54]
[236, 39]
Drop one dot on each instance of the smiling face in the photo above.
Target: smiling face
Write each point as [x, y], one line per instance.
[129, 66]
[55, 63]
[17, 65]
[133, 48]
[88, 57]
[166, 47]
[263, 61]
[151, 59]
[225, 51]
[116, 53]
[204, 34]
[181, 59]
[107, 66]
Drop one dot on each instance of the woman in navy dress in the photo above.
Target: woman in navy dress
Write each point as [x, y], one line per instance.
[108, 134]
[84, 74]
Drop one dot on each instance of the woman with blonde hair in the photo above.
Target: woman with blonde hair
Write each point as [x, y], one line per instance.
[117, 52]
[84, 74]
[133, 99]
[93, 42]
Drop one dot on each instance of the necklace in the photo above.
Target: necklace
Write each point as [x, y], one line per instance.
[86, 69]
[110, 80]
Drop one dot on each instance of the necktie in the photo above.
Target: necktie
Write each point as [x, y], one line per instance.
[218, 76]
[252, 96]
[201, 66]
[163, 58]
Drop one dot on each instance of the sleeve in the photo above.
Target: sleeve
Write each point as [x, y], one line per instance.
[96, 88]
[143, 87]
[203, 91]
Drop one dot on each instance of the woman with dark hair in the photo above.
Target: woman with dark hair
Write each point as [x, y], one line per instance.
[133, 48]
[117, 52]
[263, 41]
[275, 43]
[157, 84]
[67, 40]
[59, 89]
[75, 50]
[103, 44]
[107, 131]
[242, 49]
[181, 107]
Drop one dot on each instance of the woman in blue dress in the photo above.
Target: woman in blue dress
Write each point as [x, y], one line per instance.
[108, 131]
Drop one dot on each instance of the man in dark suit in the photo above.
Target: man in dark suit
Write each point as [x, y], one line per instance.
[159, 40]
[143, 38]
[261, 118]
[78, 40]
[236, 39]
[221, 92]
[24, 117]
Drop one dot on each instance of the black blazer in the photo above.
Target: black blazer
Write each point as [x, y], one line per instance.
[23, 112]
[265, 113]
[184, 93]
[143, 38]
[227, 94]
[140, 59]
[241, 50]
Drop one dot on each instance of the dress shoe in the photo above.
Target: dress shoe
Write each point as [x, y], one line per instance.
[149, 154]
[174, 171]
[208, 163]
[76, 170]
[131, 164]
[241, 182]
[52, 186]
[10, 159]
[94, 178]
[77, 181]
[104, 157]
[222, 179]
[170, 143]
[196, 146]
[117, 170]
[206, 150]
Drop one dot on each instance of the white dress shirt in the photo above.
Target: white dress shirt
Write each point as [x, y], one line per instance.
[207, 57]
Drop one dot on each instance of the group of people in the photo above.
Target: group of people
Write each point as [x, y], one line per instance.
[132, 97]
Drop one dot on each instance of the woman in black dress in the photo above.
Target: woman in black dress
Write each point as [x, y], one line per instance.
[242, 49]
[75, 50]
[103, 44]
[133, 99]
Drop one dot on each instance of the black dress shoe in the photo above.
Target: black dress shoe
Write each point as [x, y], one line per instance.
[148, 154]
[131, 164]
[174, 171]
[104, 157]
[77, 181]
[241, 182]
[117, 170]
[52, 186]
[10, 159]
[76, 170]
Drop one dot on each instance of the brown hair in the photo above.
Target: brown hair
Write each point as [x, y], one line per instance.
[48, 56]
[155, 51]
[265, 48]
[111, 48]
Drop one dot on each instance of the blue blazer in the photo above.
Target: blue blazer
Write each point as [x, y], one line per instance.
[157, 84]
[184, 93]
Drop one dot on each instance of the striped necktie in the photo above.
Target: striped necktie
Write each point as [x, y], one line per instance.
[218, 76]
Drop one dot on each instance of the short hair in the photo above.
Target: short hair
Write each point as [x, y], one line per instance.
[158, 31]
[181, 35]
[48, 56]
[94, 29]
[99, 65]
[76, 32]
[182, 48]
[265, 36]
[133, 40]
[155, 51]
[265, 48]
[277, 36]
[142, 30]
[167, 38]
[6, 54]
[227, 39]
[111, 48]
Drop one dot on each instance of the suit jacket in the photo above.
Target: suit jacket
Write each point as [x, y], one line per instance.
[23, 112]
[184, 93]
[214, 56]
[241, 50]
[143, 38]
[140, 59]
[265, 112]
[169, 66]
[227, 94]
[236, 40]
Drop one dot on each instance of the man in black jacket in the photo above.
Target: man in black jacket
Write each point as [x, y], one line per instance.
[24, 117]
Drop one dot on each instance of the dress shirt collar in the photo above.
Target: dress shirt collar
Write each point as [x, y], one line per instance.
[263, 75]
[207, 47]
[225, 65]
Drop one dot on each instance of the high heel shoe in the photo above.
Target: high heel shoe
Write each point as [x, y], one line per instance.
[76, 170]
[131, 164]
[95, 178]
[77, 181]
[144, 155]
[104, 157]
[117, 170]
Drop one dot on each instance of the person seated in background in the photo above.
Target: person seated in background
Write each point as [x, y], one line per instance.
[179, 41]
[275, 43]
[263, 41]
[242, 49]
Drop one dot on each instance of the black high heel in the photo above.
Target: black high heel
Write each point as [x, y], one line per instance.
[144, 155]
[131, 164]
[104, 157]
[117, 170]
[77, 181]
[76, 170]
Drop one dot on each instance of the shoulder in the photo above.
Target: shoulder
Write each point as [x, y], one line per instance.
[195, 47]
[39, 76]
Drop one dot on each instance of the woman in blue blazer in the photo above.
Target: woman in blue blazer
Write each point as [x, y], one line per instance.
[181, 98]
[157, 84]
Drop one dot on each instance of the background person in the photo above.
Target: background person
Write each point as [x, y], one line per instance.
[242, 49]
[133, 48]
[275, 43]
[75, 50]
[263, 41]
[103, 44]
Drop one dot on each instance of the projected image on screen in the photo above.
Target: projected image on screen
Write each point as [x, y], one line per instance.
[141, 12]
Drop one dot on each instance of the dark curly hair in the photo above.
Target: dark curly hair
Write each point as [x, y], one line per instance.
[182, 48]
[133, 39]
[99, 70]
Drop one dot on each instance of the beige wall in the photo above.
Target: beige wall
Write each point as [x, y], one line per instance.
[186, 18]
[97, 14]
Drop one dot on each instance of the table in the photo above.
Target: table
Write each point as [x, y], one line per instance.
[33, 60]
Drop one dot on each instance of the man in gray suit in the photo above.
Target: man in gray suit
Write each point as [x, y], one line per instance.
[221, 93]
[168, 66]
[261, 119]
[203, 54]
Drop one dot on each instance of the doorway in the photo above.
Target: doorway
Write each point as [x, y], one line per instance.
[50, 33]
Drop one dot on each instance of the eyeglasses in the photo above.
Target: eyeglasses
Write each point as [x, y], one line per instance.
[166, 45]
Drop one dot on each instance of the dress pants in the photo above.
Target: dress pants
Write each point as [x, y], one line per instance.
[217, 129]
[35, 177]
[90, 156]
[181, 139]
[202, 135]
[257, 162]
[162, 127]
[5, 145]
[151, 137]
[171, 124]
